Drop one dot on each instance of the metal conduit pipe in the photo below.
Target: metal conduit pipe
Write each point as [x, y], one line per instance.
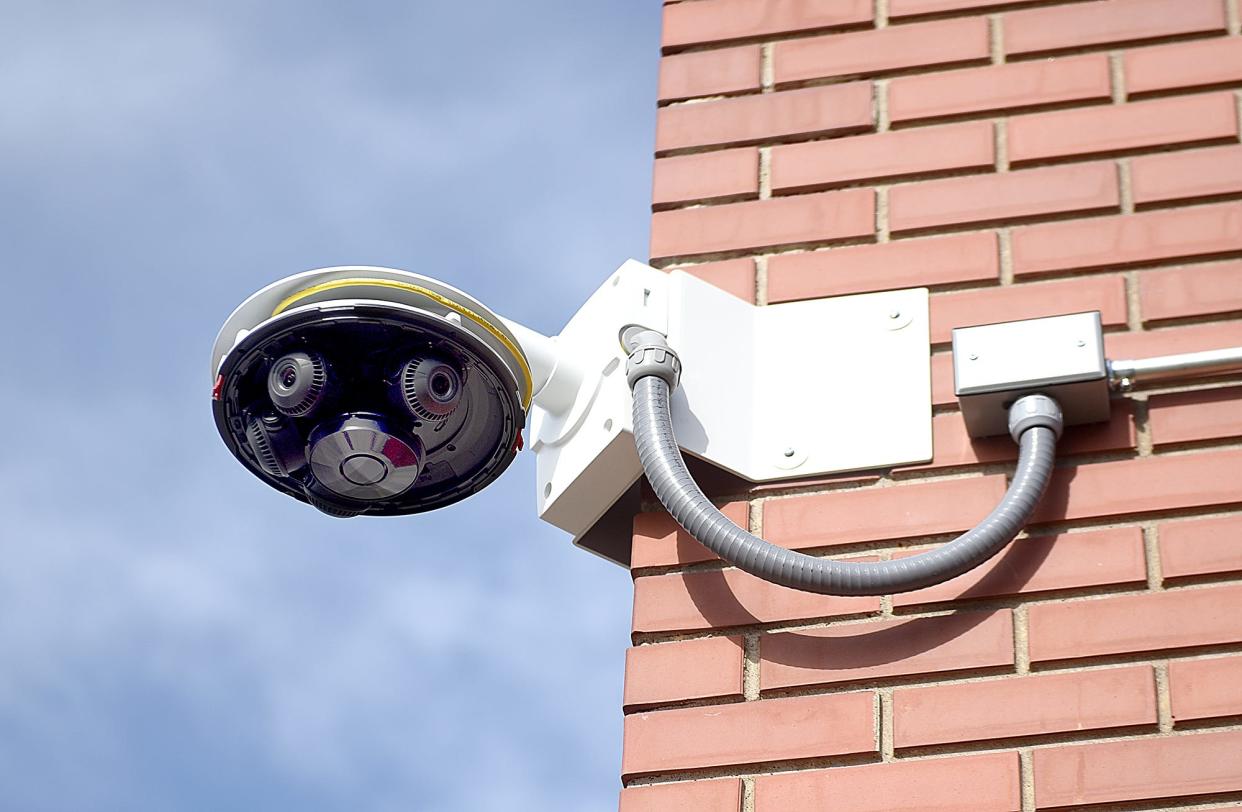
[1127, 373]
[1035, 423]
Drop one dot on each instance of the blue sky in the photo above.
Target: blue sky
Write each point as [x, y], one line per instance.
[174, 635]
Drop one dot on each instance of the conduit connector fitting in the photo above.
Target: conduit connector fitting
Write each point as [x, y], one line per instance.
[1029, 411]
[649, 354]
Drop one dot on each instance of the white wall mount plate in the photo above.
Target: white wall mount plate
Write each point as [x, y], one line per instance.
[792, 390]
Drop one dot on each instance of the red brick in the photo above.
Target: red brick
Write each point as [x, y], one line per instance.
[706, 21]
[1076, 26]
[1191, 338]
[888, 266]
[1128, 239]
[928, 785]
[1138, 770]
[955, 447]
[1181, 175]
[1142, 486]
[944, 42]
[749, 733]
[826, 110]
[1106, 294]
[1196, 291]
[710, 668]
[659, 541]
[763, 223]
[876, 650]
[942, 379]
[1046, 563]
[737, 276]
[685, 178]
[821, 164]
[1118, 127]
[709, 73]
[911, 8]
[1128, 624]
[1200, 546]
[1203, 689]
[1186, 64]
[1025, 706]
[1187, 417]
[724, 795]
[877, 514]
[999, 87]
[1003, 196]
[721, 598]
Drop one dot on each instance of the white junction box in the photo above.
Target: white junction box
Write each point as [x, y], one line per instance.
[794, 390]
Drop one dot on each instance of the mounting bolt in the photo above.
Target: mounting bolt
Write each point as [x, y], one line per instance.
[1082, 343]
[789, 452]
[894, 314]
[974, 357]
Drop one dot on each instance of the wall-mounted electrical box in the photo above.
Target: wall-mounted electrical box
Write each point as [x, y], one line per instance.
[1061, 356]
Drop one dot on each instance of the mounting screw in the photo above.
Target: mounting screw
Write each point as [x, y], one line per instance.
[894, 314]
[1082, 343]
[974, 357]
[789, 452]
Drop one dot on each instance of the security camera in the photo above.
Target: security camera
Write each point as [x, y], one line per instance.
[370, 391]
[376, 391]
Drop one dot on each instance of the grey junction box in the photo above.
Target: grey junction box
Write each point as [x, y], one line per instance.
[1059, 356]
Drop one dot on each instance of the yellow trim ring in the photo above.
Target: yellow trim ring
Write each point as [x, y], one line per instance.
[495, 332]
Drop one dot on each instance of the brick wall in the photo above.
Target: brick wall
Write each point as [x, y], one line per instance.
[1020, 159]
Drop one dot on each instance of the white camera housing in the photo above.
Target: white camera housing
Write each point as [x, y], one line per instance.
[403, 394]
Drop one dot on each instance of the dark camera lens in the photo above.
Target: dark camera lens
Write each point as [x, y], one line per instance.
[441, 385]
[296, 383]
[431, 388]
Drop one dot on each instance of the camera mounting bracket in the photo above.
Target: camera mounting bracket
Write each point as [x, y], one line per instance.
[785, 391]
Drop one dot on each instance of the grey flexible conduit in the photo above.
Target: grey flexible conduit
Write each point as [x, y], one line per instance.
[666, 470]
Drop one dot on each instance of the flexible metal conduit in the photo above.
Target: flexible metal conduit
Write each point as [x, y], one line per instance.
[1034, 421]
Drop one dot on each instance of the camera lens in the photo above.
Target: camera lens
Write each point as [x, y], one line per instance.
[358, 457]
[276, 444]
[443, 385]
[430, 388]
[296, 383]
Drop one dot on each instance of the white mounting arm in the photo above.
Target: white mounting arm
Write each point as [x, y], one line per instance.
[789, 390]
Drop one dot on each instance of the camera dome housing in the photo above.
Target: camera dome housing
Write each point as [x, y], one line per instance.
[372, 356]
[364, 390]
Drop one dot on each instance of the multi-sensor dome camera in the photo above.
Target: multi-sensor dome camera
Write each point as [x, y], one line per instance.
[364, 390]
[370, 391]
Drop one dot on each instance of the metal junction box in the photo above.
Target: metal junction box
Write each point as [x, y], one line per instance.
[1060, 356]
